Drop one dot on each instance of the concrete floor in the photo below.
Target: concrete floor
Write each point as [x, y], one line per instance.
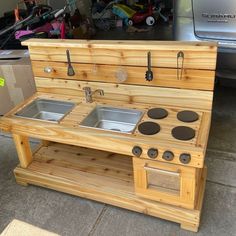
[69, 215]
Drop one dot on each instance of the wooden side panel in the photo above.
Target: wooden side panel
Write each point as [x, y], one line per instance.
[130, 93]
[163, 77]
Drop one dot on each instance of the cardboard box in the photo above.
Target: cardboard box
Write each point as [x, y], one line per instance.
[15, 69]
[21, 228]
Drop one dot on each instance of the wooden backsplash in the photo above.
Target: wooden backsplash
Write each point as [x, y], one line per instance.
[96, 64]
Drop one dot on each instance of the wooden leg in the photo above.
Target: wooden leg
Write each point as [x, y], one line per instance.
[190, 227]
[23, 150]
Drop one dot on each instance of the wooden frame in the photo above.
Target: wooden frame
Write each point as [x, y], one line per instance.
[101, 160]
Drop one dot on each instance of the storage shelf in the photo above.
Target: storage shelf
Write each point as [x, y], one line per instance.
[100, 176]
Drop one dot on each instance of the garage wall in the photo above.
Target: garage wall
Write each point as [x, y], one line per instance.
[7, 5]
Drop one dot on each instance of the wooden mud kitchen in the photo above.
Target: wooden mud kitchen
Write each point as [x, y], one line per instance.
[121, 122]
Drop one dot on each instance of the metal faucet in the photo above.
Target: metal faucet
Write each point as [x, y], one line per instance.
[89, 94]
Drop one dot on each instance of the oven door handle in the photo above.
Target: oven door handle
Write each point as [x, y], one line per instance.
[148, 168]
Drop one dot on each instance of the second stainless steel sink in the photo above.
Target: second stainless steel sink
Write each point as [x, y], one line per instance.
[46, 110]
[113, 119]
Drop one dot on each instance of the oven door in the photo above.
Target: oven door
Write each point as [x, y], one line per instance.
[167, 183]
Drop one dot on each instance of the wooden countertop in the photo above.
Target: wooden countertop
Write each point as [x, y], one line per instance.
[69, 130]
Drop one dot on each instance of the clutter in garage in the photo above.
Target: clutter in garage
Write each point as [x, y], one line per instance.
[38, 19]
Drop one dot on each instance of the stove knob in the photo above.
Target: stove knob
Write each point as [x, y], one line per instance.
[137, 151]
[185, 158]
[152, 153]
[168, 156]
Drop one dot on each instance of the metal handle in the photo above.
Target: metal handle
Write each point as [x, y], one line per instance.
[48, 70]
[149, 73]
[161, 171]
[149, 61]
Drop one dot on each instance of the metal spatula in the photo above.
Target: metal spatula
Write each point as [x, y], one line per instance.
[149, 73]
[70, 70]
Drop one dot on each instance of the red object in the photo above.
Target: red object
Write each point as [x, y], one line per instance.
[63, 30]
[17, 15]
[141, 16]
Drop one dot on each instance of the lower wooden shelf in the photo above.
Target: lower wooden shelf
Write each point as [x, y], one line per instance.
[100, 176]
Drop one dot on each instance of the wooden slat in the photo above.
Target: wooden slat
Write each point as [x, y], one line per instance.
[132, 53]
[4, 127]
[163, 77]
[129, 93]
[85, 160]
[126, 44]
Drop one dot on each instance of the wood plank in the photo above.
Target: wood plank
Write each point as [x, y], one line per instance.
[4, 127]
[23, 149]
[163, 77]
[202, 185]
[166, 59]
[129, 93]
[164, 54]
[84, 160]
[126, 44]
[204, 131]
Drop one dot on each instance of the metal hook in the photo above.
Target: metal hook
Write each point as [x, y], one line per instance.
[180, 56]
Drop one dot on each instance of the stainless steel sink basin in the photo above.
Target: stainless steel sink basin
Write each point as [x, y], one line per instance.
[113, 119]
[46, 110]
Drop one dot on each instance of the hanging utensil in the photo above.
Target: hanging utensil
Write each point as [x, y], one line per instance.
[70, 70]
[180, 65]
[149, 73]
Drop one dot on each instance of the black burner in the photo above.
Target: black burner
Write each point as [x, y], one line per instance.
[187, 116]
[157, 113]
[183, 133]
[149, 128]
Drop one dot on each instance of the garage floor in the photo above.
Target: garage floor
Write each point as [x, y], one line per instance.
[69, 215]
